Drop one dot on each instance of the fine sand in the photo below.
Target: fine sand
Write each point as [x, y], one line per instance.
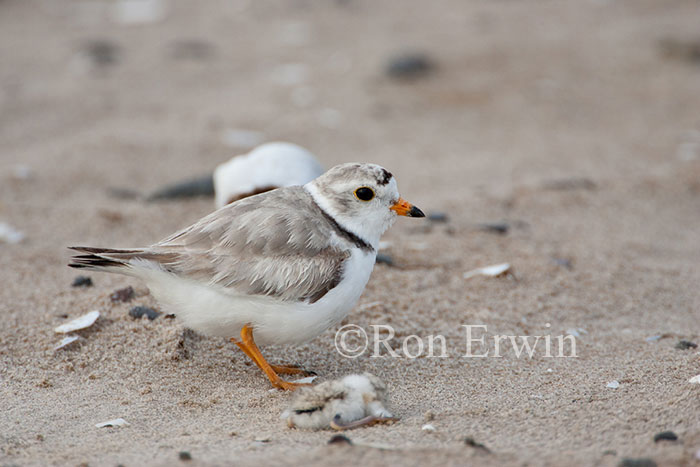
[574, 123]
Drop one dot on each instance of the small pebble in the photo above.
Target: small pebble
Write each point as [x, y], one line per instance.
[82, 281]
[563, 262]
[202, 186]
[138, 311]
[409, 66]
[665, 436]
[685, 345]
[428, 427]
[438, 217]
[429, 416]
[687, 50]
[469, 441]
[613, 385]
[638, 462]
[123, 295]
[340, 439]
[117, 422]
[184, 456]
[500, 228]
[384, 259]
[123, 193]
[102, 52]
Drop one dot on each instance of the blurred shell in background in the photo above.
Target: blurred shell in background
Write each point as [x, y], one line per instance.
[269, 166]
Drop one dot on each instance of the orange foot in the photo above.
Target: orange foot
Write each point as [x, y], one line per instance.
[248, 346]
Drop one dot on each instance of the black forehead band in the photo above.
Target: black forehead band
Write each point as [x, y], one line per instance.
[386, 176]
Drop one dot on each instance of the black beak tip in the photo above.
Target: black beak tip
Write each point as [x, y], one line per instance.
[415, 212]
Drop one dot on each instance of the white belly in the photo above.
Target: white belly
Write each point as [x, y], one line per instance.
[216, 312]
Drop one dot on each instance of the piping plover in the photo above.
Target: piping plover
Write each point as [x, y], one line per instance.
[284, 265]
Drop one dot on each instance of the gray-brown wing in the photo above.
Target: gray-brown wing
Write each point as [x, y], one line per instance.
[274, 244]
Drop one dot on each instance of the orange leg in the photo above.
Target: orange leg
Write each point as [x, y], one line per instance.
[248, 346]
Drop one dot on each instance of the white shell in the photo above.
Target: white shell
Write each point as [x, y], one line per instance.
[83, 322]
[613, 385]
[66, 341]
[490, 271]
[129, 12]
[270, 165]
[428, 427]
[9, 234]
[307, 380]
[694, 380]
[115, 422]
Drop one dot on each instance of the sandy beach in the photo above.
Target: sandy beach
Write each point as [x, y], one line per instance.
[560, 137]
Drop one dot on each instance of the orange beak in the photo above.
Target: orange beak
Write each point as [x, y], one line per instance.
[404, 208]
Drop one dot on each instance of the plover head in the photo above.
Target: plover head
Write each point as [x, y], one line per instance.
[362, 198]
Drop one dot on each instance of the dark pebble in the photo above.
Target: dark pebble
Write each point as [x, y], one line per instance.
[638, 462]
[123, 295]
[469, 441]
[665, 436]
[102, 52]
[138, 311]
[685, 345]
[170, 316]
[500, 228]
[82, 281]
[184, 456]
[384, 259]
[123, 193]
[563, 262]
[683, 50]
[410, 66]
[438, 217]
[203, 186]
[340, 439]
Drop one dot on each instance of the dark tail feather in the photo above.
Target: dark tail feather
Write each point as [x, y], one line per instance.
[96, 260]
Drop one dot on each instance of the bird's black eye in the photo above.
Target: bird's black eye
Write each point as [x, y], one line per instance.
[364, 193]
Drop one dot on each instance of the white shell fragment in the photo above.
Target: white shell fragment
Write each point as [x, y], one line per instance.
[110, 423]
[307, 380]
[489, 271]
[66, 341]
[343, 404]
[613, 384]
[9, 234]
[129, 12]
[428, 427]
[83, 322]
[694, 380]
[271, 165]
